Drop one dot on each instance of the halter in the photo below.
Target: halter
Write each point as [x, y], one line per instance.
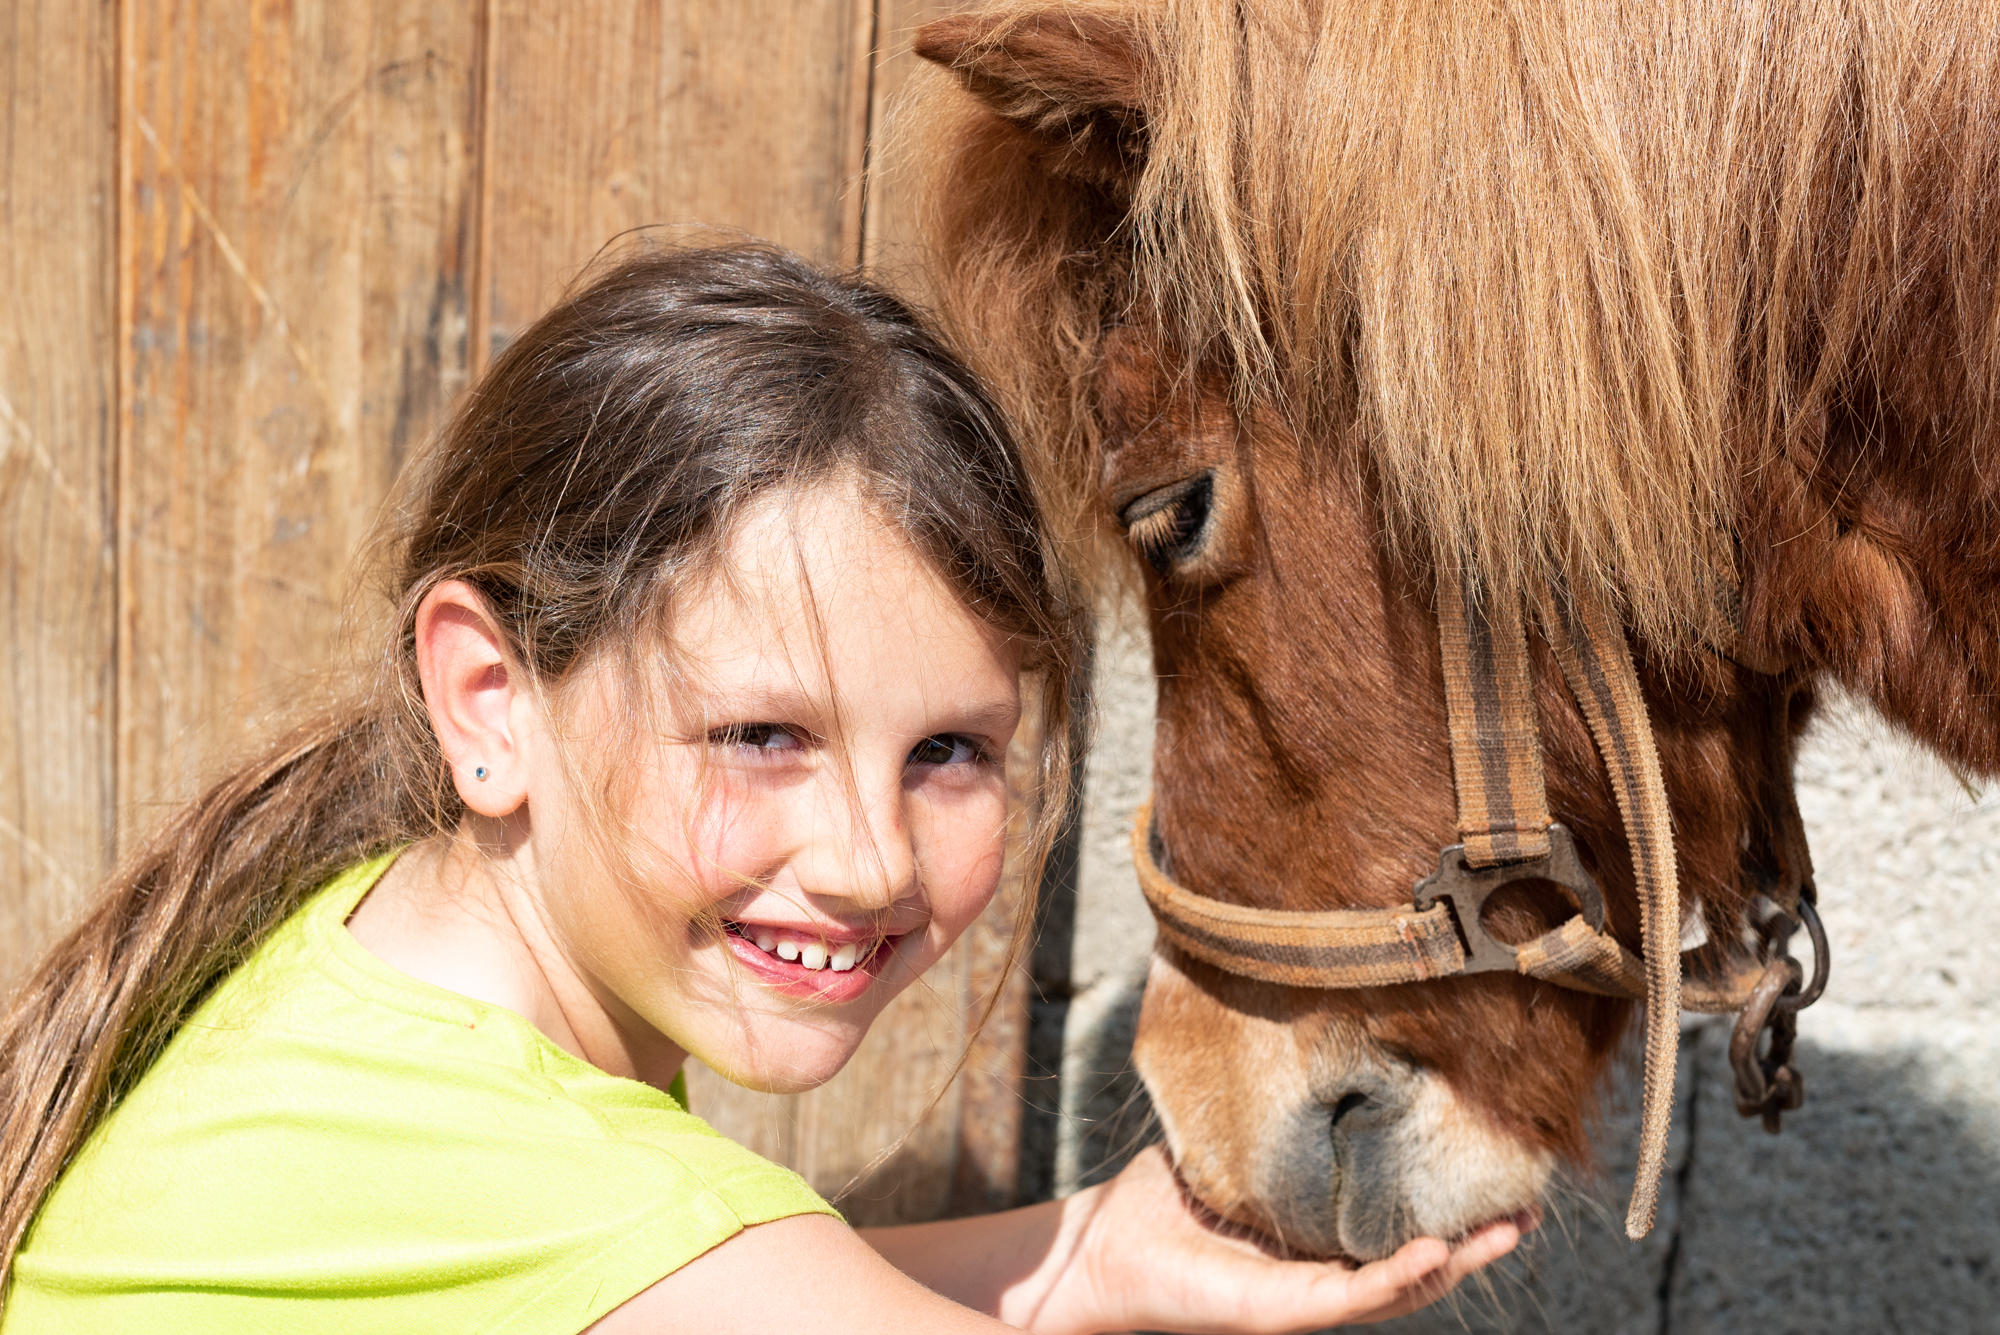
[1507, 836]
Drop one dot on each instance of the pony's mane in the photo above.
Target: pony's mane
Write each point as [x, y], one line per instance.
[1565, 270]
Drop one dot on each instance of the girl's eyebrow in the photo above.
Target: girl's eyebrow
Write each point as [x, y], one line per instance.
[756, 704]
[769, 704]
[990, 716]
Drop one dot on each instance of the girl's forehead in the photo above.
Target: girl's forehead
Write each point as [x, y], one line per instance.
[817, 588]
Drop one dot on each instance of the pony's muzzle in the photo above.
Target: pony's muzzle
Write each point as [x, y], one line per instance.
[1295, 1123]
[1331, 1174]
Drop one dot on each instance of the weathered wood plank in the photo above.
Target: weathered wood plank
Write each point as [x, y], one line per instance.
[58, 379]
[610, 115]
[988, 1113]
[295, 277]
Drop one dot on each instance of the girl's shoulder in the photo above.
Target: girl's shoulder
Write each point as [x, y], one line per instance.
[325, 1127]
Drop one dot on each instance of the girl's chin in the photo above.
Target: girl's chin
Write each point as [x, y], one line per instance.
[793, 1061]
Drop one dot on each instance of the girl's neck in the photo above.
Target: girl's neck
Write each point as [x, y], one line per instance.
[461, 914]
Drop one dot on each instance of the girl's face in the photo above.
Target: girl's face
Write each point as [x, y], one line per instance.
[830, 785]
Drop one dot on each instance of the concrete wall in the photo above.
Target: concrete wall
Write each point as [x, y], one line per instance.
[1878, 1208]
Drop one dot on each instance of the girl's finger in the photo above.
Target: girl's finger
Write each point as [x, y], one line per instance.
[1480, 1249]
[1417, 1273]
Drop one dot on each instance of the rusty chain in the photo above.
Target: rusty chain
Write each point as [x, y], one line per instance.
[1766, 1084]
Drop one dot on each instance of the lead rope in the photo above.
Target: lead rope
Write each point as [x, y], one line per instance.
[1597, 660]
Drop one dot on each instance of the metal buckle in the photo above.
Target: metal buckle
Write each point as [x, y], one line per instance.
[1468, 889]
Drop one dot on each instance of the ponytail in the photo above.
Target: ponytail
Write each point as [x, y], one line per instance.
[193, 905]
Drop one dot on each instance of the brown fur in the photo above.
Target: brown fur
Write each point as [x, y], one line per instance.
[1304, 759]
[1695, 303]
[1573, 269]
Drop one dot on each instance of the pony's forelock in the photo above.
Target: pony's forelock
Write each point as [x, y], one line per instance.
[1562, 271]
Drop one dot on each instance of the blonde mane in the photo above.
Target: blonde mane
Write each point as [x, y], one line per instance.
[1567, 271]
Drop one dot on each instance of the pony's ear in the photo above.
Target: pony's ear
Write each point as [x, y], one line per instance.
[1071, 79]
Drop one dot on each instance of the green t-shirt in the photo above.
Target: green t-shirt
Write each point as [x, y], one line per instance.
[331, 1145]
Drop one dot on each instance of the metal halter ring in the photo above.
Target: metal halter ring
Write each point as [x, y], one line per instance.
[1791, 1003]
[1766, 1084]
[1468, 888]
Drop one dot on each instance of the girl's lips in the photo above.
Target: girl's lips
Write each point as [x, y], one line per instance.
[792, 979]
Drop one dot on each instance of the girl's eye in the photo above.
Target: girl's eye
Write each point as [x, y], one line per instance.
[759, 737]
[945, 751]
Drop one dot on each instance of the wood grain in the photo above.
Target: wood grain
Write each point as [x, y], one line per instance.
[256, 249]
[58, 391]
[670, 115]
[891, 246]
[294, 279]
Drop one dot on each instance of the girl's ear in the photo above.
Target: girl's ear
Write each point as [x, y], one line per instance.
[473, 691]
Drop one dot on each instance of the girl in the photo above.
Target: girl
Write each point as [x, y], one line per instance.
[713, 603]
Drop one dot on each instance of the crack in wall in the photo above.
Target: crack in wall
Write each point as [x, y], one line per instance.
[1683, 1178]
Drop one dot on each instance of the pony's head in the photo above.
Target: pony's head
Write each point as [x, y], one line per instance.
[1301, 304]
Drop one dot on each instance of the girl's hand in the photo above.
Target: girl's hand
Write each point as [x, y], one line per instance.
[1134, 1253]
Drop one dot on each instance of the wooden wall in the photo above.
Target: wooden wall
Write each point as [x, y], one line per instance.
[255, 249]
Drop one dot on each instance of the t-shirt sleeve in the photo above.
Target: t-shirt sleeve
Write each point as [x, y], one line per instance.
[713, 1190]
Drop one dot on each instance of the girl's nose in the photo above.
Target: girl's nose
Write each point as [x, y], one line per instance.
[860, 849]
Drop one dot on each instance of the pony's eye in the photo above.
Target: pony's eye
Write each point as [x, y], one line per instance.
[1168, 526]
[944, 751]
[759, 737]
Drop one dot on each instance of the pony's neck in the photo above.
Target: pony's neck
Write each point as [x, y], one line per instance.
[1871, 552]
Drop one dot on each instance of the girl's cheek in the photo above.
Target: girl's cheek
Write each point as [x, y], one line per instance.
[962, 850]
[729, 833]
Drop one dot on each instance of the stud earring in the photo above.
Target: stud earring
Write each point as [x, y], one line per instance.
[480, 774]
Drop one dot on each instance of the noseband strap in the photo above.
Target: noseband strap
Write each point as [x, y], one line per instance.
[1507, 836]
[1342, 948]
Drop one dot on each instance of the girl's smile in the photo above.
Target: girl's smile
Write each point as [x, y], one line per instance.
[831, 965]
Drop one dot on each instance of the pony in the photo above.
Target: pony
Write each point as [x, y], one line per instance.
[1309, 309]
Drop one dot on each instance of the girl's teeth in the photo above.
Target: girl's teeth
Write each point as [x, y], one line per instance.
[809, 955]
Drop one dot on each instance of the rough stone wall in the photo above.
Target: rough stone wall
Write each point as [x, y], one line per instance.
[1878, 1208]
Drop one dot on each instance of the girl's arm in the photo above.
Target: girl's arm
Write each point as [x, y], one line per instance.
[807, 1275]
[1132, 1253]
[1129, 1253]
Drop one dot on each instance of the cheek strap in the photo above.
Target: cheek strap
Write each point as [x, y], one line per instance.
[1507, 836]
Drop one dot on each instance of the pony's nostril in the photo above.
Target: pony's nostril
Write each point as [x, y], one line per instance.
[1348, 1103]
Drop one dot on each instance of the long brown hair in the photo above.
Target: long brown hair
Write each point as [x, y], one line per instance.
[597, 464]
